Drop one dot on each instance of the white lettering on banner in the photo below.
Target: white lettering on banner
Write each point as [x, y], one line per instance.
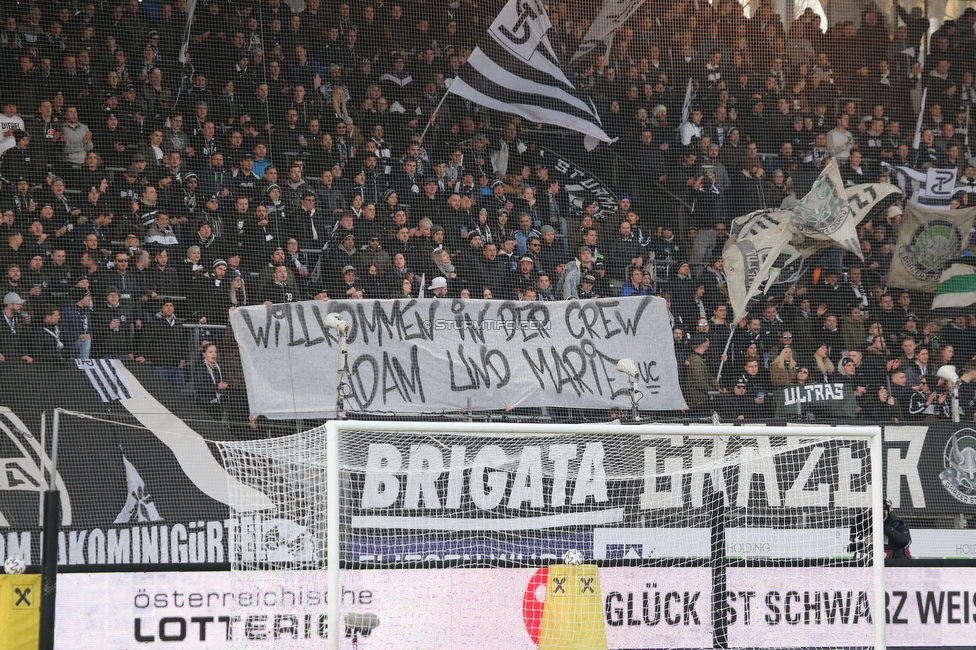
[758, 460]
[250, 539]
[646, 607]
[487, 486]
[904, 466]
[432, 355]
[813, 393]
[24, 472]
[940, 543]
[404, 484]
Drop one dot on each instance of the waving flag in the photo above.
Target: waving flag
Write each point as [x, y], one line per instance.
[932, 188]
[769, 246]
[611, 17]
[191, 6]
[517, 71]
[824, 213]
[957, 286]
[754, 245]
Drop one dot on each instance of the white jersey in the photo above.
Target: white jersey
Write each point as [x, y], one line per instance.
[7, 123]
[840, 144]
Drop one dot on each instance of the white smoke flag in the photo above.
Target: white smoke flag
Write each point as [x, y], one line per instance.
[612, 17]
[191, 6]
[762, 244]
[824, 214]
[139, 502]
[516, 70]
[861, 199]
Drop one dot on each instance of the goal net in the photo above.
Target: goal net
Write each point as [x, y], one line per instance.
[568, 537]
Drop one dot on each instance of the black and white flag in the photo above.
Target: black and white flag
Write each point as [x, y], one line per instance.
[105, 378]
[517, 71]
[932, 188]
[611, 17]
[139, 506]
[191, 7]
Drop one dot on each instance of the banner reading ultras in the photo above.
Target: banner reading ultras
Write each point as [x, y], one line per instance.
[421, 356]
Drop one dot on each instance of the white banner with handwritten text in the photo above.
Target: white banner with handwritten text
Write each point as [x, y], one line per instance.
[431, 356]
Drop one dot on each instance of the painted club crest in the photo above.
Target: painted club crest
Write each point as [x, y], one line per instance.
[823, 211]
[932, 245]
[959, 460]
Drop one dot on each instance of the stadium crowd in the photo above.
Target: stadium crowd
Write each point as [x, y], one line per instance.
[286, 160]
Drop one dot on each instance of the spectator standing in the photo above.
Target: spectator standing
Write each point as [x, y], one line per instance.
[77, 138]
[167, 344]
[79, 323]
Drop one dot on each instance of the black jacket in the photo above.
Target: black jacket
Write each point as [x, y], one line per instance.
[897, 537]
[279, 293]
[168, 341]
[109, 341]
[205, 384]
[14, 338]
[16, 162]
[49, 343]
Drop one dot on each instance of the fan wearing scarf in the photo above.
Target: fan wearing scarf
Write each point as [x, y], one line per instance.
[48, 338]
[209, 381]
[13, 330]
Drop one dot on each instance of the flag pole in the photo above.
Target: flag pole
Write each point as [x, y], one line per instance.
[968, 154]
[918, 124]
[447, 92]
[191, 7]
[718, 377]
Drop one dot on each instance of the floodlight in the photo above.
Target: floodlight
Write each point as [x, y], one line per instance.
[628, 367]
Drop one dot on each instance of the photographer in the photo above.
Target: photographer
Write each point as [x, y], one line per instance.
[897, 536]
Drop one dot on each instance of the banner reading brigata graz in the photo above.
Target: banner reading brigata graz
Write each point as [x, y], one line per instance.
[480, 496]
[423, 356]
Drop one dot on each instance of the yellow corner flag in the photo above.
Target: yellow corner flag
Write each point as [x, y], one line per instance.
[20, 611]
[573, 615]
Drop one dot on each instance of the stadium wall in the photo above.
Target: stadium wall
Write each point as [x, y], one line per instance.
[143, 483]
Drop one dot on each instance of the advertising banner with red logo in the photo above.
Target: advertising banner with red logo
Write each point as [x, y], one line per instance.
[473, 609]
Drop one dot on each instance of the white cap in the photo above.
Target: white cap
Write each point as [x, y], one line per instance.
[438, 283]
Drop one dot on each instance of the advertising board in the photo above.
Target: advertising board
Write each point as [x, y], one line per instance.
[465, 609]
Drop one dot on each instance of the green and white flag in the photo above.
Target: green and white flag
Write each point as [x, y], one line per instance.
[769, 246]
[957, 287]
[824, 213]
[928, 242]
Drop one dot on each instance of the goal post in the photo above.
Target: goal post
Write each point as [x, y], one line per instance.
[406, 500]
